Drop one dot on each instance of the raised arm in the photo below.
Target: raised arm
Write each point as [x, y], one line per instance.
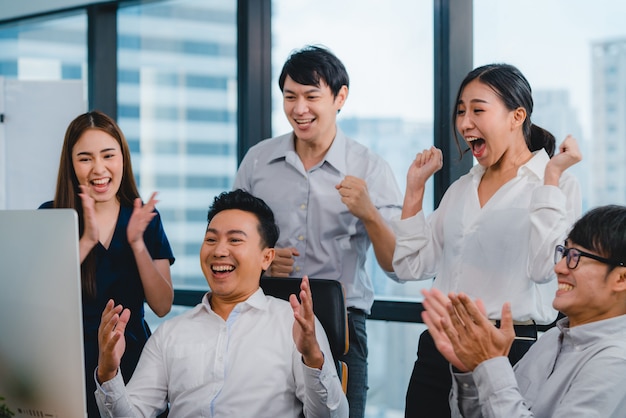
[324, 397]
[111, 341]
[155, 274]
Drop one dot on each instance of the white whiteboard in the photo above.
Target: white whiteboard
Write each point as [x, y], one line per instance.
[36, 115]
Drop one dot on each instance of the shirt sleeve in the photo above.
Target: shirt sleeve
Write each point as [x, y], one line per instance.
[242, 178]
[321, 392]
[145, 395]
[156, 241]
[419, 245]
[553, 211]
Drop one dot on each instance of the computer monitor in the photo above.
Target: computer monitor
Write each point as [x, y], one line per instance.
[41, 334]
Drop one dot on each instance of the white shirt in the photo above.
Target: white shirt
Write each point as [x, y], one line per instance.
[331, 241]
[247, 366]
[501, 252]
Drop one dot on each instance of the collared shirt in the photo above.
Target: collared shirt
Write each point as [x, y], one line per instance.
[331, 241]
[501, 252]
[568, 372]
[246, 366]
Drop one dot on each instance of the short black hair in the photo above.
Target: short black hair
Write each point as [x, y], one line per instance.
[602, 230]
[311, 64]
[242, 200]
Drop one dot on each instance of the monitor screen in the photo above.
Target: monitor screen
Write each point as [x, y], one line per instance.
[41, 335]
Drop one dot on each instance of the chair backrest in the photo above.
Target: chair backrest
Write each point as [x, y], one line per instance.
[329, 306]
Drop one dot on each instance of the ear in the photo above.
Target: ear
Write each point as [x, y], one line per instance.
[341, 97]
[619, 284]
[519, 116]
[267, 257]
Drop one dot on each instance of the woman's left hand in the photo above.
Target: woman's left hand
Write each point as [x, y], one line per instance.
[569, 154]
[140, 218]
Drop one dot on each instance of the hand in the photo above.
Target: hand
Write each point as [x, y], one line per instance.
[139, 220]
[282, 266]
[426, 163]
[435, 304]
[91, 232]
[111, 341]
[568, 155]
[354, 195]
[471, 334]
[304, 327]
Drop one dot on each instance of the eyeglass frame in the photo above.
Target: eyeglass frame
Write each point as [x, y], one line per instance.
[563, 252]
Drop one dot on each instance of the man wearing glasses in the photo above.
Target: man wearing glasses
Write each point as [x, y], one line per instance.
[578, 368]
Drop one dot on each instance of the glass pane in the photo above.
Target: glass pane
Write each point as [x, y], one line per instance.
[51, 48]
[177, 105]
[390, 105]
[575, 60]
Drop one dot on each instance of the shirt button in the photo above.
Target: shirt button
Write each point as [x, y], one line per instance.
[300, 237]
[303, 206]
[297, 268]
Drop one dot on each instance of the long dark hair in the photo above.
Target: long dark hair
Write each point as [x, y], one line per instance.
[66, 195]
[514, 90]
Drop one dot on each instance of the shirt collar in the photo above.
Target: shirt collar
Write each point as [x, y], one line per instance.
[589, 334]
[284, 148]
[256, 301]
[535, 166]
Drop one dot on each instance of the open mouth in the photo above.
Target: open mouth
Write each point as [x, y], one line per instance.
[477, 145]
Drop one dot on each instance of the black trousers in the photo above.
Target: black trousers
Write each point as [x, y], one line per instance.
[430, 383]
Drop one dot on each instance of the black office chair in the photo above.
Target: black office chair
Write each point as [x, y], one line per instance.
[329, 306]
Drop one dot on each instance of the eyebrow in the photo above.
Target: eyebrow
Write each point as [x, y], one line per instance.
[101, 151]
[473, 101]
[311, 90]
[230, 232]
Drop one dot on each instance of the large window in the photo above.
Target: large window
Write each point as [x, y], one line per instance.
[574, 56]
[51, 48]
[177, 104]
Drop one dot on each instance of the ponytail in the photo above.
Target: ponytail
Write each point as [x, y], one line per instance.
[540, 138]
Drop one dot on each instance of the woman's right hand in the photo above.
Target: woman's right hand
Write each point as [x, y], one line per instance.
[425, 164]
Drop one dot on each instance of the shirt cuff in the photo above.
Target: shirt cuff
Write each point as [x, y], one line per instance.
[406, 228]
[493, 375]
[548, 196]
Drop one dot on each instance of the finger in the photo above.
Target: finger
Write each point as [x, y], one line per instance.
[305, 296]
[451, 331]
[481, 307]
[506, 323]
[472, 310]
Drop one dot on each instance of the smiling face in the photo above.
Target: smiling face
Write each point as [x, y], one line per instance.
[98, 164]
[590, 292]
[489, 128]
[312, 110]
[233, 256]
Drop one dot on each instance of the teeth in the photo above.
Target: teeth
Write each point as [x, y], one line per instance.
[223, 268]
[100, 181]
[304, 120]
[565, 286]
[471, 139]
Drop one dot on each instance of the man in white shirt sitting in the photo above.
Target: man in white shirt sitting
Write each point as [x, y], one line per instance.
[239, 353]
[576, 369]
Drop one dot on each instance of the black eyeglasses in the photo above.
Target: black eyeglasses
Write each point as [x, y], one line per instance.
[572, 257]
